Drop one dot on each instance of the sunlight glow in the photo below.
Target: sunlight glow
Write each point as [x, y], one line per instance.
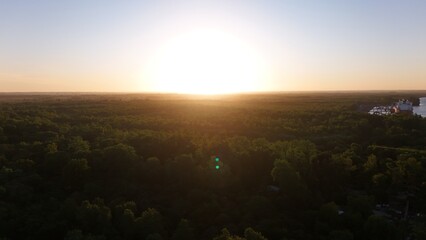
[206, 61]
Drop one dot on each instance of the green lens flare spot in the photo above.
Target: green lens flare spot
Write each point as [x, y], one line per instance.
[217, 167]
[217, 159]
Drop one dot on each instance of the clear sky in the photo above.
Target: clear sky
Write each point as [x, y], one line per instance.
[142, 46]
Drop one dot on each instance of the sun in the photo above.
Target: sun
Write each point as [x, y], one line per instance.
[206, 61]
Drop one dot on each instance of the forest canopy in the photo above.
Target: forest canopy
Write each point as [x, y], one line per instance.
[289, 166]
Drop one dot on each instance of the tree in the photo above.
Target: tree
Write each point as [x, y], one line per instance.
[260, 207]
[94, 216]
[78, 147]
[150, 222]
[293, 190]
[51, 148]
[250, 234]
[328, 218]
[372, 164]
[117, 161]
[361, 204]
[378, 228]
[184, 231]
[300, 154]
[225, 235]
[75, 172]
[153, 171]
[406, 172]
[341, 235]
[74, 235]
[154, 236]
[333, 172]
[381, 183]
[419, 230]
[286, 176]
[124, 218]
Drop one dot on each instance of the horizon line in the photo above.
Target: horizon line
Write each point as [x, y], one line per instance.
[235, 93]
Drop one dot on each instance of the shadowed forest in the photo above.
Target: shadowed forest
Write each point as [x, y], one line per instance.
[143, 166]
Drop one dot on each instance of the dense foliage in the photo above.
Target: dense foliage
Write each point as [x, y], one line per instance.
[292, 166]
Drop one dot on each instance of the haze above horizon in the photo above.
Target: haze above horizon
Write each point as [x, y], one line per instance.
[212, 47]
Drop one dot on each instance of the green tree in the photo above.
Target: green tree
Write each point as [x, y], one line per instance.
[75, 172]
[51, 148]
[183, 231]
[286, 176]
[361, 204]
[250, 234]
[74, 235]
[419, 231]
[127, 223]
[378, 228]
[150, 222]
[406, 173]
[94, 216]
[381, 184]
[117, 161]
[299, 154]
[372, 164]
[225, 235]
[293, 190]
[328, 218]
[78, 146]
[341, 235]
[154, 236]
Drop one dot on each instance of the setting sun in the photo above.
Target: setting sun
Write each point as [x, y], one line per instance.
[206, 62]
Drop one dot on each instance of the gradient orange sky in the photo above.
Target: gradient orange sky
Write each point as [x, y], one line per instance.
[109, 46]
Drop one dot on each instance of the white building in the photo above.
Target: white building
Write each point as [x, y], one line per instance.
[403, 106]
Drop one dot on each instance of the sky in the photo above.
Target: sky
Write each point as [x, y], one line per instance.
[191, 46]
